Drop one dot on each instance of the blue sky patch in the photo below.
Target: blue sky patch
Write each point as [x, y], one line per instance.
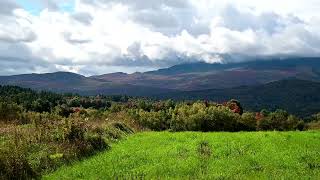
[35, 6]
[67, 6]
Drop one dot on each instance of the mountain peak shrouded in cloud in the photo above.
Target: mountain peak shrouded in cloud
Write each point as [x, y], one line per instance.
[100, 36]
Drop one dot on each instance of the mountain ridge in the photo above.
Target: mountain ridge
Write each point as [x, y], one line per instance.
[183, 77]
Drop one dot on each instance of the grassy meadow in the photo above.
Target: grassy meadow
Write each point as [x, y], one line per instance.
[197, 155]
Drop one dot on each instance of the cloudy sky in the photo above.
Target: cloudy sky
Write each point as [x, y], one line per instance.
[101, 36]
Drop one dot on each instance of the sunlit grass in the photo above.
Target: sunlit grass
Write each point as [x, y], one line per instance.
[165, 155]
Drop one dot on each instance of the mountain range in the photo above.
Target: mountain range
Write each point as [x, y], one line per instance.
[291, 83]
[183, 77]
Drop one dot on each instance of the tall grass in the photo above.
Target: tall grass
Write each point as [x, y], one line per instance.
[49, 141]
[192, 155]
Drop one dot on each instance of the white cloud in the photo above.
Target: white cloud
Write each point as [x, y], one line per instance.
[101, 35]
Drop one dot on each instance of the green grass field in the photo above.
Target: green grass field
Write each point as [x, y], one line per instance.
[165, 155]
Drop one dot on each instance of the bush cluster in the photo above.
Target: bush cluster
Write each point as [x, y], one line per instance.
[314, 122]
[280, 120]
[200, 116]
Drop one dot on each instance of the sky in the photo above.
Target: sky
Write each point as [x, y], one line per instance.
[93, 37]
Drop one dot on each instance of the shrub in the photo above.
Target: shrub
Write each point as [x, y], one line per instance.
[198, 117]
[293, 123]
[280, 120]
[315, 125]
[115, 107]
[122, 127]
[188, 117]
[113, 133]
[76, 131]
[97, 142]
[63, 110]
[247, 122]
[220, 119]
[154, 120]
[235, 106]
[14, 165]
[10, 112]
